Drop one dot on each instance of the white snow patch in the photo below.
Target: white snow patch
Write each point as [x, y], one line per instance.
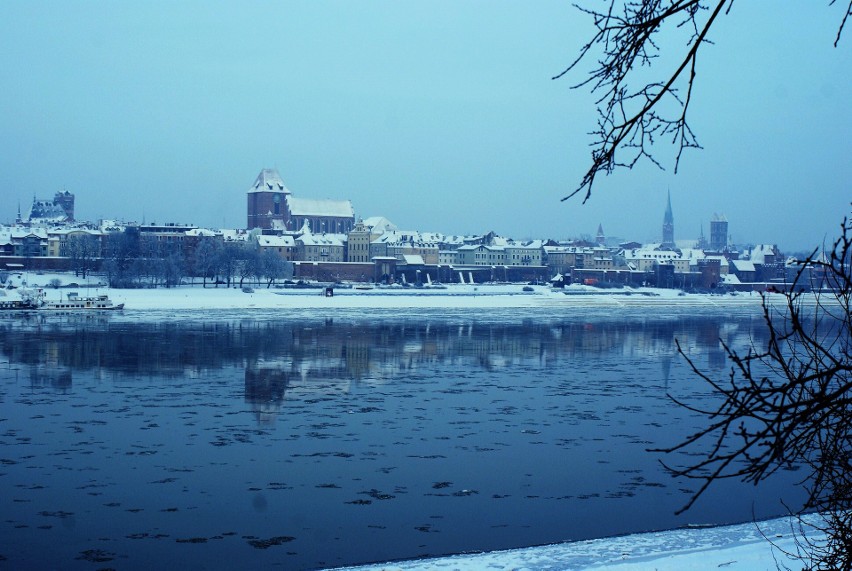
[744, 547]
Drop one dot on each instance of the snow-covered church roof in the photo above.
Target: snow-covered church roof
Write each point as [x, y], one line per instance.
[269, 181]
[316, 208]
[47, 211]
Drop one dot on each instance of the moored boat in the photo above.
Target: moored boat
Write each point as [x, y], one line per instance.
[16, 305]
[20, 300]
[74, 302]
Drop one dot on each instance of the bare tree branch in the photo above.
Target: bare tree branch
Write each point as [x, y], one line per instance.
[790, 403]
[631, 119]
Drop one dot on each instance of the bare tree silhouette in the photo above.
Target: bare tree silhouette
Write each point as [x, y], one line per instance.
[790, 404]
[633, 113]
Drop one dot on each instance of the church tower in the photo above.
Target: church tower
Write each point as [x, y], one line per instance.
[601, 237]
[668, 225]
[267, 200]
[718, 233]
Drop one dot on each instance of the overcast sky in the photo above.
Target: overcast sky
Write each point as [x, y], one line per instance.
[438, 115]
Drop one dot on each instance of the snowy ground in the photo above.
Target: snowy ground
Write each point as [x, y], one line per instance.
[453, 296]
[758, 546]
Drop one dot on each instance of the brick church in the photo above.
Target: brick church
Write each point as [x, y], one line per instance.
[271, 205]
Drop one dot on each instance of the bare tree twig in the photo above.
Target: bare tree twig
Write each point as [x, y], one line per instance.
[790, 403]
[631, 119]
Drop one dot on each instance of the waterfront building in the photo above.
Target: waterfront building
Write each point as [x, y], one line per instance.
[271, 205]
[58, 210]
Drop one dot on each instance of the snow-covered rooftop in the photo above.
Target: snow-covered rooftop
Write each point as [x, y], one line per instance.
[268, 181]
[379, 224]
[200, 233]
[759, 253]
[743, 265]
[320, 207]
[276, 241]
[309, 239]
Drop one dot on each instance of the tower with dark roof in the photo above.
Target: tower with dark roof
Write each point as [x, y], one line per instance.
[267, 200]
[271, 205]
[718, 233]
[668, 224]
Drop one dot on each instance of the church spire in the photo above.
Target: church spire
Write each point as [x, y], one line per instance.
[668, 224]
[601, 237]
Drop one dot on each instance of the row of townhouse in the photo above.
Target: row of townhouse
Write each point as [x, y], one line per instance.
[25, 242]
[501, 253]
[378, 239]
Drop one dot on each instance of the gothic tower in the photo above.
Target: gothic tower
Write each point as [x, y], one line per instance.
[66, 200]
[718, 233]
[267, 200]
[668, 225]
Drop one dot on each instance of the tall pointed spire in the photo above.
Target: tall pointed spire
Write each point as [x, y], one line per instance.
[601, 237]
[668, 224]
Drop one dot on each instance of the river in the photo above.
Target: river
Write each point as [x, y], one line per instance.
[300, 441]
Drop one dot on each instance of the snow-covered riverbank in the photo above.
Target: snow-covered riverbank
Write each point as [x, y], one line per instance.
[458, 296]
[449, 297]
[765, 545]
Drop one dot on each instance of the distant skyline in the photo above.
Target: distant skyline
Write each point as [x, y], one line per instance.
[439, 116]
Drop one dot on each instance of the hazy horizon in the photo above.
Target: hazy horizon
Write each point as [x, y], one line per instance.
[440, 117]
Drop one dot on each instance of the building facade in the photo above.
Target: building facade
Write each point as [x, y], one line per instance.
[59, 210]
[718, 233]
[271, 205]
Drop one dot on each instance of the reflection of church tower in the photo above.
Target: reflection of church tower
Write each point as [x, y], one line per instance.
[667, 371]
[265, 384]
[601, 237]
[668, 225]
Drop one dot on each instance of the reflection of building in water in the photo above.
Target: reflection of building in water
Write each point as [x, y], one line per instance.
[49, 371]
[49, 376]
[716, 359]
[326, 356]
[667, 371]
[265, 384]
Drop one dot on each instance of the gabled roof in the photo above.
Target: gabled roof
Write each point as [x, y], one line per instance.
[758, 254]
[47, 211]
[276, 241]
[743, 265]
[269, 181]
[379, 224]
[320, 208]
[528, 245]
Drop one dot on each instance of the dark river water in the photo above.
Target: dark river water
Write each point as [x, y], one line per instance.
[235, 440]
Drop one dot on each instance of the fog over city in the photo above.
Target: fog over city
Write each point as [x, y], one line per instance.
[440, 116]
